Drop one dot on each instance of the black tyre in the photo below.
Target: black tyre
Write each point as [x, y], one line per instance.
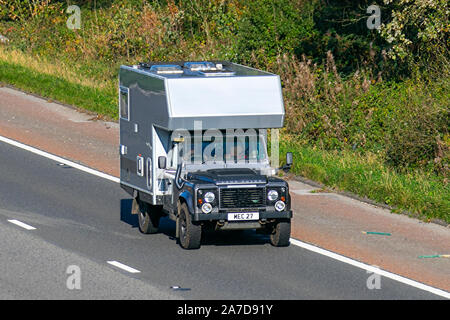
[149, 217]
[190, 234]
[281, 233]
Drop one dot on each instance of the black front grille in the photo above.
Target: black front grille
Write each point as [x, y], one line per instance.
[242, 197]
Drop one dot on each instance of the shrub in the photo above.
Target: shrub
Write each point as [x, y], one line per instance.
[407, 122]
[341, 28]
[272, 27]
[418, 32]
[23, 9]
[419, 126]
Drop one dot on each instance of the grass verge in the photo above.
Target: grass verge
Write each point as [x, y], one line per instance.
[424, 195]
[100, 101]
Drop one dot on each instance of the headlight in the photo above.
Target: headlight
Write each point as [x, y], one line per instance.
[280, 205]
[272, 195]
[209, 197]
[206, 208]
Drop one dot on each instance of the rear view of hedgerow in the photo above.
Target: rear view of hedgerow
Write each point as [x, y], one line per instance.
[366, 108]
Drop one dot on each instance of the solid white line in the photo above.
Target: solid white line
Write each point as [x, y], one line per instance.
[369, 268]
[59, 159]
[123, 266]
[21, 224]
[295, 242]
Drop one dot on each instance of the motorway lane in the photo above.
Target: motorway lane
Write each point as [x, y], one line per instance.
[86, 216]
[32, 268]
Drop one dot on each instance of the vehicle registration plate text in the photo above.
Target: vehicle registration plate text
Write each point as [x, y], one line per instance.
[243, 216]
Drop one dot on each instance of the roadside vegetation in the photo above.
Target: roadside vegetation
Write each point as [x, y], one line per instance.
[367, 111]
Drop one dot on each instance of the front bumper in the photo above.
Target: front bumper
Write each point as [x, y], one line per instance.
[263, 215]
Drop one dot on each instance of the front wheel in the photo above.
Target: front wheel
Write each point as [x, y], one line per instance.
[190, 234]
[281, 233]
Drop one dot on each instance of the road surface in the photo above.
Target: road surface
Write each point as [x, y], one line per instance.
[83, 220]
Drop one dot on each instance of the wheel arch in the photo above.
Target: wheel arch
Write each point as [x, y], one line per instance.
[187, 197]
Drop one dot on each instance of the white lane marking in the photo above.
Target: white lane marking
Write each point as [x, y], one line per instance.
[295, 242]
[59, 159]
[369, 268]
[21, 224]
[123, 266]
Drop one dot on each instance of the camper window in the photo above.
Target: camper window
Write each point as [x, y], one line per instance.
[124, 103]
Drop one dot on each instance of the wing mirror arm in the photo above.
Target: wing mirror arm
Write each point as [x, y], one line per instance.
[289, 162]
[179, 182]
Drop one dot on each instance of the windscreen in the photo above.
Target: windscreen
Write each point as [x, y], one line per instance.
[223, 147]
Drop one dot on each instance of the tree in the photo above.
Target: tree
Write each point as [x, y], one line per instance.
[418, 31]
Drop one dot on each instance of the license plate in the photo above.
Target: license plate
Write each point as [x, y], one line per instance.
[243, 216]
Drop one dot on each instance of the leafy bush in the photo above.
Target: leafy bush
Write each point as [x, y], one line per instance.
[341, 28]
[324, 108]
[23, 9]
[272, 27]
[418, 32]
[419, 126]
[407, 122]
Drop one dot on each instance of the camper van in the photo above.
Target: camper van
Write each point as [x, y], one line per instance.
[193, 147]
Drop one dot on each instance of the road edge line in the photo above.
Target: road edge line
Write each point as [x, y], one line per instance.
[369, 268]
[59, 159]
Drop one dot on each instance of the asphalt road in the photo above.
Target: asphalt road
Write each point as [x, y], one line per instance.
[83, 220]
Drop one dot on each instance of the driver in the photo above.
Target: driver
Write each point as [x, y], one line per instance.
[235, 154]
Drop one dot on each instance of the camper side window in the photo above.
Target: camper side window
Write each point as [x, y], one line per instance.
[124, 103]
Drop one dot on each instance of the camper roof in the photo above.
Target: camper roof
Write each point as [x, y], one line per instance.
[220, 94]
[198, 69]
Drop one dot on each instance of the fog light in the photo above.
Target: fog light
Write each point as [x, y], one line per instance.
[280, 205]
[206, 208]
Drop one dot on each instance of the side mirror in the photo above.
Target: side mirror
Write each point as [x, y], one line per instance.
[162, 162]
[289, 159]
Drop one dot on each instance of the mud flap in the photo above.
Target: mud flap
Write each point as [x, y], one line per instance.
[177, 230]
[135, 207]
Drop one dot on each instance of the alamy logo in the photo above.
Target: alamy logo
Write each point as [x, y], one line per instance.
[74, 280]
[74, 21]
[374, 280]
[374, 21]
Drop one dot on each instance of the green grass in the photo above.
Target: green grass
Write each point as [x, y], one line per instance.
[100, 101]
[424, 195]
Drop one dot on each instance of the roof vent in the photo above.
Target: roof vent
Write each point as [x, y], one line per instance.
[217, 73]
[166, 69]
[208, 69]
[200, 66]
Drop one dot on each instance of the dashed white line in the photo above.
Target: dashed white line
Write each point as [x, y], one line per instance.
[21, 224]
[295, 242]
[123, 266]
